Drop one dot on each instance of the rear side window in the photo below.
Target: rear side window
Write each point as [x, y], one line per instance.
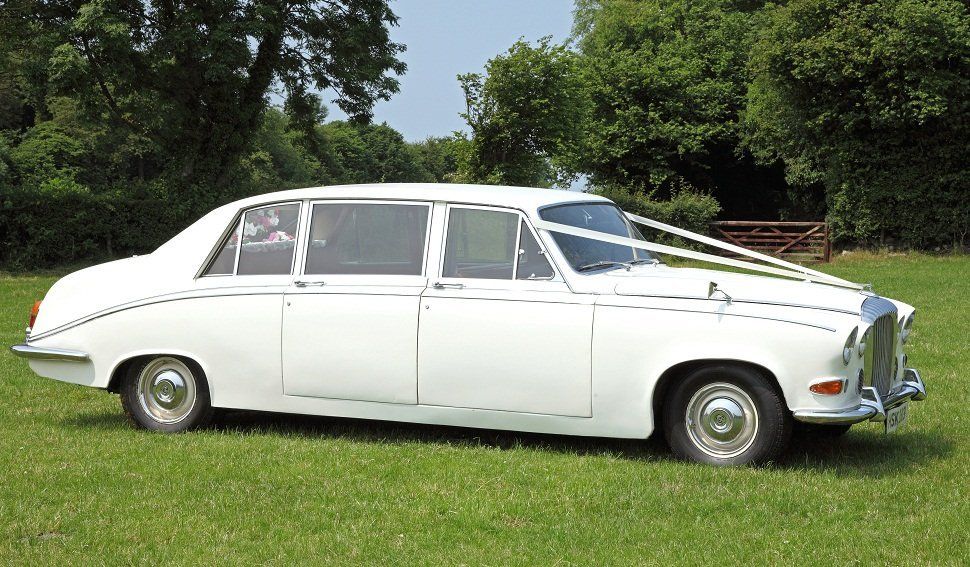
[367, 238]
[262, 244]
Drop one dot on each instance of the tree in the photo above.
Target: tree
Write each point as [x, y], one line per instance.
[525, 116]
[368, 153]
[439, 156]
[871, 99]
[280, 157]
[667, 80]
[190, 79]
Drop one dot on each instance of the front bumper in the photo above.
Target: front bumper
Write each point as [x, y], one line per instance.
[41, 353]
[873, 407]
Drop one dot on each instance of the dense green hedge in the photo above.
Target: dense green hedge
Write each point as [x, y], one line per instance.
[45, 229]
[686, 209]
[69, 224]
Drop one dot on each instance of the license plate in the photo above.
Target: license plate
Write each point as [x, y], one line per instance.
[896, 417]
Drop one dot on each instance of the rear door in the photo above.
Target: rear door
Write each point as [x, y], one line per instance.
[350, 318]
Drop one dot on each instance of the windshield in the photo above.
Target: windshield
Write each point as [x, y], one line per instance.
[584, 254]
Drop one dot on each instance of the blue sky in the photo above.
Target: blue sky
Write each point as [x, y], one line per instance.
[448, 37]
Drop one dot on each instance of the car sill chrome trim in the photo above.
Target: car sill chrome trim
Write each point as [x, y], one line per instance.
[42, 353]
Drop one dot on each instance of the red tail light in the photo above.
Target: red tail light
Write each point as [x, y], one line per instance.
[33, 313]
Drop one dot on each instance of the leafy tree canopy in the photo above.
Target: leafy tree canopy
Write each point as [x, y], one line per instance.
[667, 80]
[870, 98]
[188, 81]
[525, 115]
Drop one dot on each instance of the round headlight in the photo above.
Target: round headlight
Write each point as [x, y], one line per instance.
[906, 327]
[849, 346]
[863, 342]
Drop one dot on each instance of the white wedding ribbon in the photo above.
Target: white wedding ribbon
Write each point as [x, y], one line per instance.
[792, 270]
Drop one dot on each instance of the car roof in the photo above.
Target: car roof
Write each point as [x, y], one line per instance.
[189, 248]
[525, 198]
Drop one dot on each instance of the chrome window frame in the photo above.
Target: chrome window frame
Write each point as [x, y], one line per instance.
[633, 228]
[523, 219]
[542, 252]
[304, 248]
[237, 222]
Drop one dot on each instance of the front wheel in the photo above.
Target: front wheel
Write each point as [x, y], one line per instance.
[726, 415]
[166, 394]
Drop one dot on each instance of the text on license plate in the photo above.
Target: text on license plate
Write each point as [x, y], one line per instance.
[896, 417]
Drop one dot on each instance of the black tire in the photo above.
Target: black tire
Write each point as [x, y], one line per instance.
[746, 419]
[150, 395]
[808, 431]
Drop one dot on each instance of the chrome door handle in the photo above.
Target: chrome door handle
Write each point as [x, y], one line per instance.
[440, 285]
[301, 283]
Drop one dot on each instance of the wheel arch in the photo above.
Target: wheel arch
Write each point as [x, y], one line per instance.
[125, 365]
[678, 371]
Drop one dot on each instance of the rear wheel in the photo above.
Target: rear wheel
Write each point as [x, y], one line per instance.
[726, 415]
[166, 393]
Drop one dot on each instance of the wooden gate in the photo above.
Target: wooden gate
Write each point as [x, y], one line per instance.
[794, 240]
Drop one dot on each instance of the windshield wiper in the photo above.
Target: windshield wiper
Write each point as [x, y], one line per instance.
[603, 264]
[653, 261]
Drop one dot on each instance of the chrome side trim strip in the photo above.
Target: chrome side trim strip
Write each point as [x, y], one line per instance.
[701, 312]
[799, 305]
[164, 298]
[41, 353]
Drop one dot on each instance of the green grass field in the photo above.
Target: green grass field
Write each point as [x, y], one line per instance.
[80, 486]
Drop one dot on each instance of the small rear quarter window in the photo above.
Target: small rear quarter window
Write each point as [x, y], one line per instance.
[225, 261]
[263, 243]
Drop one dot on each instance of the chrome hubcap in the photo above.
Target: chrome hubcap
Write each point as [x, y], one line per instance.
[166, 390]
[722, 420]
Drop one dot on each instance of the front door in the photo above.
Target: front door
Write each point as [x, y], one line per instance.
[350, 318]
[499, 329]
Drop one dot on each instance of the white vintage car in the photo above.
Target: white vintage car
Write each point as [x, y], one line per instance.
[494, 307]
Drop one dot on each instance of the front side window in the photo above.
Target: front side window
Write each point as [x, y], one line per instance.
[493, 245]
[263, 243]
[367, 238]
[532, 264]
[480, 244]
[584, 254]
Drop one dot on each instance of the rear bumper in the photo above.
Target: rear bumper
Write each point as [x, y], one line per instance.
[872, 407]
[41, 353]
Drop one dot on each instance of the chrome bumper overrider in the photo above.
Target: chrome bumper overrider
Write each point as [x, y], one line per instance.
[41, 353]
[873, 407]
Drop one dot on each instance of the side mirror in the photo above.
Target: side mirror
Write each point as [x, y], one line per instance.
[712, 289]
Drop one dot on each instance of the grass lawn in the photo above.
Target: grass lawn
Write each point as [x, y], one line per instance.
[80, 486]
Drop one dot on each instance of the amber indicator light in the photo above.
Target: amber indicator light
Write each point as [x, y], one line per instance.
[827, 388]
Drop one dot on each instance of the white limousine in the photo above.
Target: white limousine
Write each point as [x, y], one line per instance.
[493, 307]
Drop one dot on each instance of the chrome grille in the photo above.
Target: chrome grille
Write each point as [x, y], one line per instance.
[880, 352]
